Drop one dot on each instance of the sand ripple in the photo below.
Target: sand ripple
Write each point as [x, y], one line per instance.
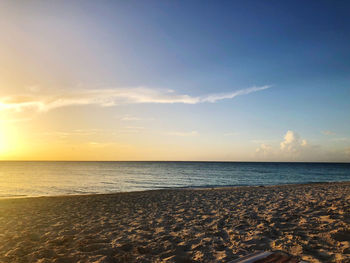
[203, 225]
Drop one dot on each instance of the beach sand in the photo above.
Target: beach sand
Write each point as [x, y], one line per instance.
[183, 225]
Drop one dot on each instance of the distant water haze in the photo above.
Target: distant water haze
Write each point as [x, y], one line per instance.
[67, 178]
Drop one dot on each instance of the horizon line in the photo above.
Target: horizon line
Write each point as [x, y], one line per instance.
[183, 161]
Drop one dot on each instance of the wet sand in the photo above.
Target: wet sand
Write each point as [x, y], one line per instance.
[184, 225]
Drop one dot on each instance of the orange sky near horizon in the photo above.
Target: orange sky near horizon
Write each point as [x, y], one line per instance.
[120, 81]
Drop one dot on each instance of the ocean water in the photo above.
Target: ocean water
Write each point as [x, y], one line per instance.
[62, 178]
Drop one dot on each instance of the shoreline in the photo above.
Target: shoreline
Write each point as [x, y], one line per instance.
[311, 221]
[214, 187]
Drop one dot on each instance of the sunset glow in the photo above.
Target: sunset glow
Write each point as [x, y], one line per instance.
[10, 141]
[174, 131]
[3, 141]
[133, 84]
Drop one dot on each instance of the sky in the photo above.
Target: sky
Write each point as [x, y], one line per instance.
[175, 80]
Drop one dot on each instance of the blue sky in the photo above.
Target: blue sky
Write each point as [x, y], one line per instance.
[299, 49]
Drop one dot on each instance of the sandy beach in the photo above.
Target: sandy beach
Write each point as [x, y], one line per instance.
[183, 225]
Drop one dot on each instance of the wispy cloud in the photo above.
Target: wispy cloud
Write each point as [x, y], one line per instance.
[71, 133]
[231, 134]
[129, 118]
[133, 118]
[341, 139]
[130, 129]
[347, 151]
[134, 127]
[111, 97]
[15, 120]
[183, 134]
[328, 133]
[230, 95]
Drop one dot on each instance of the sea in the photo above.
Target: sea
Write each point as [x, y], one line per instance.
[27, 179]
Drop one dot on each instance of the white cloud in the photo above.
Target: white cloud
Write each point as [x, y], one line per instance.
[264, 150]
[230, 95]
[110, 97]
[291, 148]
[292, 143]
[295, 148]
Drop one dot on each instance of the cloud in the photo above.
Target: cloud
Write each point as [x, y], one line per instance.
[15, 120]
[133, 118]
[231, 133]
[347, 151]
[264, 150]
[71, 133]
[328, 133]
[130, 130]
[341, 139]
[183, 134]
[292, 143]
[110, 97]
[129, 118]
[134, 127]
[231, 95]
[294, 148]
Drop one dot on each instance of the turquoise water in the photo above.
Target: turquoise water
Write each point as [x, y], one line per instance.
[62, 178]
